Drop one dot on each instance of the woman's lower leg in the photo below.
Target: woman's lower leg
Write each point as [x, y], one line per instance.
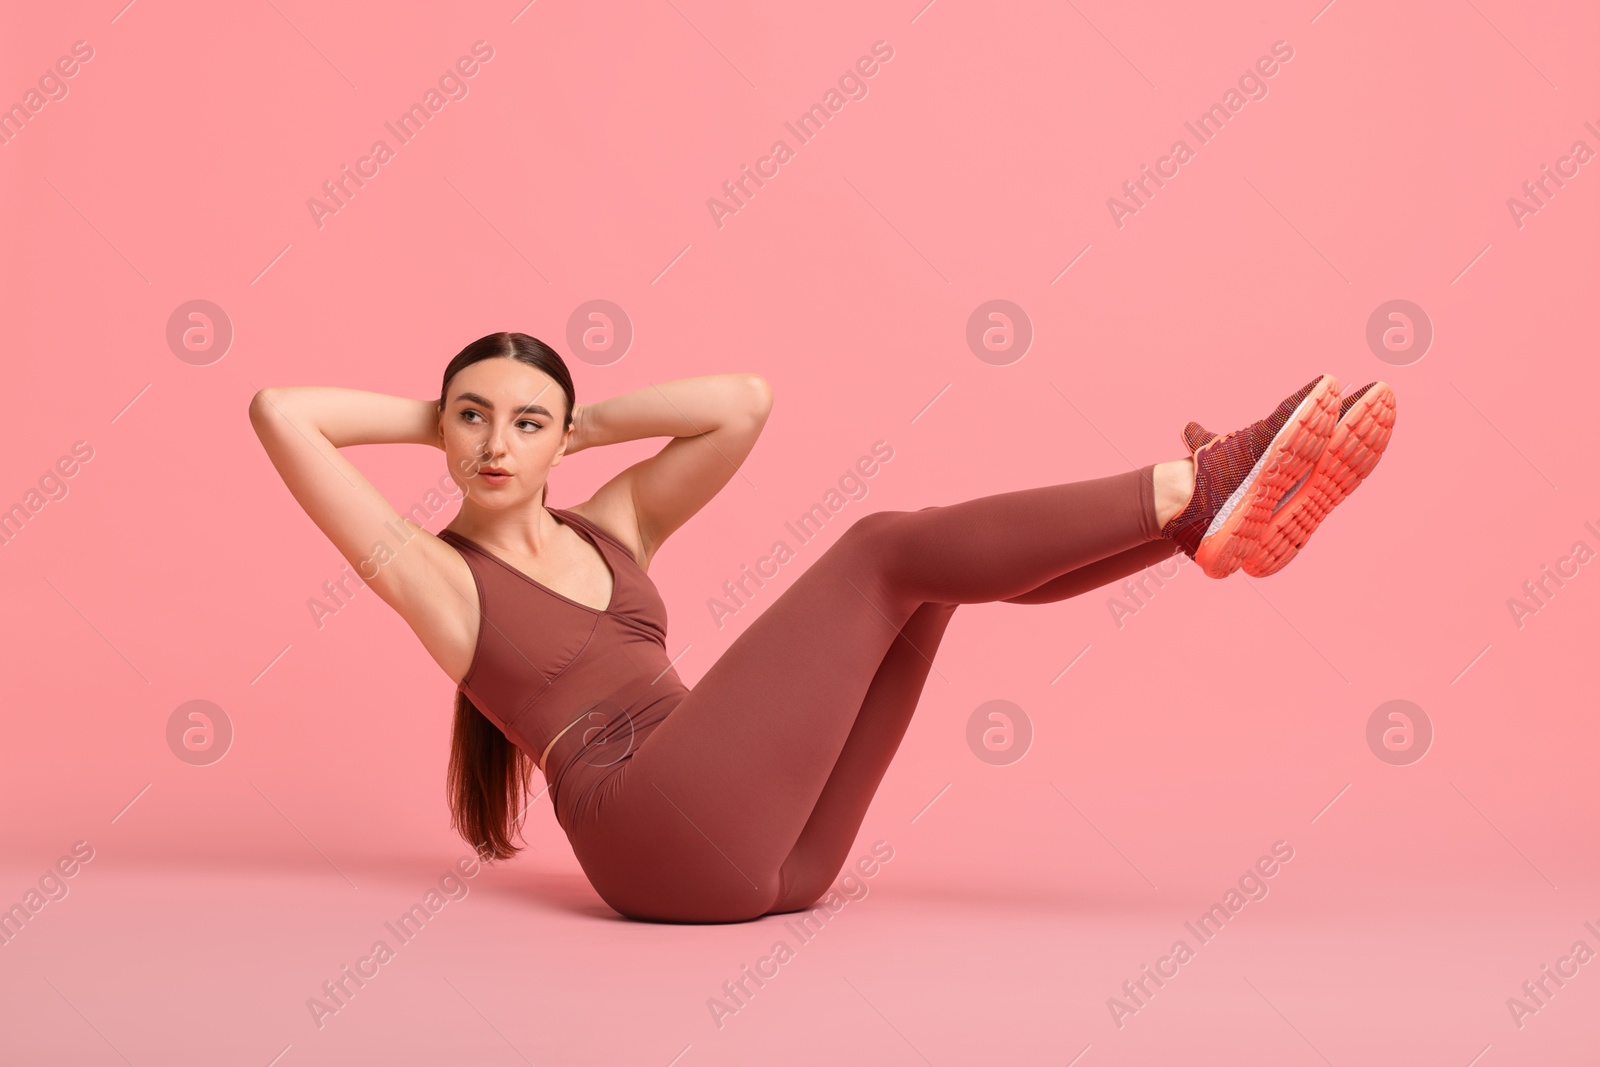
[1003, 545]
[1174, 486]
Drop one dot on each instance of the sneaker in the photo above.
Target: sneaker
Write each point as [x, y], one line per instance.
[1240, 476]
[1366, 421]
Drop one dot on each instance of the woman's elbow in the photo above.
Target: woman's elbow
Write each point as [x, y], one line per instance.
[260, 404]
[760, 395]
[269, 405]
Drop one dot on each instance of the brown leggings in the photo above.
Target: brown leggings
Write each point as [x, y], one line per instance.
[746, 799]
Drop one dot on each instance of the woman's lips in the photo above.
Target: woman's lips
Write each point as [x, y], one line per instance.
[493, 477]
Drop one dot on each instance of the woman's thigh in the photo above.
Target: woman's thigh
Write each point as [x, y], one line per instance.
[881, 722]
[705, 811]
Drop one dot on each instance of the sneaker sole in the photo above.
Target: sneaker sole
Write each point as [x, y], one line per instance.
[1235, 533]
[1353, 451]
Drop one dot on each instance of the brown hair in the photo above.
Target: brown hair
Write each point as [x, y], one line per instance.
[488, 776]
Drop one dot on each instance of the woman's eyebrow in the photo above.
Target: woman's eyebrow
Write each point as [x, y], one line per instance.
[483, 401]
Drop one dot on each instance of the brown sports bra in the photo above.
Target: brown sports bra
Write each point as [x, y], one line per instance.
[545, 663]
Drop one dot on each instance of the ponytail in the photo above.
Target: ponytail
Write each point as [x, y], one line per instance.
[487, 781]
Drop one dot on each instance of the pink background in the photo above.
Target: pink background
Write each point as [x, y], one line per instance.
[1220, 718]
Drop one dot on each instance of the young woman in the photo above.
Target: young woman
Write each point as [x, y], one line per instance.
[741, 797]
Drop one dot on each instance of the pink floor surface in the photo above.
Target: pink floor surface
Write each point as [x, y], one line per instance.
[206, 966]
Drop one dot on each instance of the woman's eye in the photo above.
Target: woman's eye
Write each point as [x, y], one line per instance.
[526, 424]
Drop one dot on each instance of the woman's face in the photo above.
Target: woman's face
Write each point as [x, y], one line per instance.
[503, 415]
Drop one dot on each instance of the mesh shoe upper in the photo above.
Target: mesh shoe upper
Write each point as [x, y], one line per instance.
[1221, 464]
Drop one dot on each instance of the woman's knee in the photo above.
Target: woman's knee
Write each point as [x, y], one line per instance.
[874, 526]
[802, 886]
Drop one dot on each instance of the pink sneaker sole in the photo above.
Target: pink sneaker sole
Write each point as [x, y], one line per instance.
[1353, 451]
[1235, 533]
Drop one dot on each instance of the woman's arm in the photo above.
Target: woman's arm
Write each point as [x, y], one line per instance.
[715, 421]
[687, 407]
[355, 416]
[302, 429]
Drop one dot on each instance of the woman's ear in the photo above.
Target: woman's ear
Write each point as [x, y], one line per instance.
[566, 441]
